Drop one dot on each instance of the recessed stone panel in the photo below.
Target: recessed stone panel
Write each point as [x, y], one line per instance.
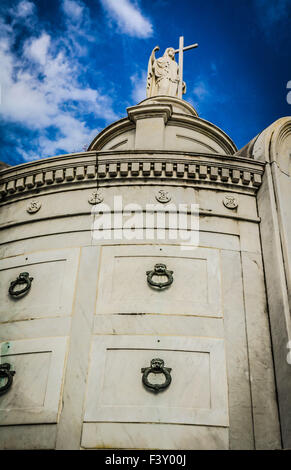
[34, 396]
[52, 288]
[124, 288]
[197, 394]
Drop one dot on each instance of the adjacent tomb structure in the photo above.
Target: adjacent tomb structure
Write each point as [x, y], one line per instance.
[118, 329]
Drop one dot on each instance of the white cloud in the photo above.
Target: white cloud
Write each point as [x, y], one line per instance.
[75, 134]
[23, 13]
[24, 9]
[129, 18]
[74, 10]
[6, 62]
[37, 49]
[46, 94]
[139, 86]
[201, 90]
[78, 23]
[206, 92]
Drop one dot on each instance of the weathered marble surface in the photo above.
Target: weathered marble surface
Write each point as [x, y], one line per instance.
[52, 271]
[28, 437]
[239, 395]
[70, 423]
[34, 396]
[157, 436]
[129, 292]
[197, 394]
[153, 324]
[273, 147]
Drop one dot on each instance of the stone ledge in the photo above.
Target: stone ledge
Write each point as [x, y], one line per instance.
[134, 171]
[163, 111]
[179, 106]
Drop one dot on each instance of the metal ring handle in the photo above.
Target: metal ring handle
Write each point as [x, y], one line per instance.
[5, 372]
[23, 278]
[160, 270]
[157, 367]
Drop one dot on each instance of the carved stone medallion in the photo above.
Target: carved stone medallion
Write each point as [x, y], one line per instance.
[163, 196]
[230, 201]
[33, 207]
[96, 197]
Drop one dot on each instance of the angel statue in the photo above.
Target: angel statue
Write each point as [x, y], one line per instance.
[163, 74]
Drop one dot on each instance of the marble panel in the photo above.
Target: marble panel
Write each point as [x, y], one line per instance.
[196, 395]
[34, 396]
[52, 289]
[123, 286]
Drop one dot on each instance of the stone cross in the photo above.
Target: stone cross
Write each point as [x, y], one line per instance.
[181, 50]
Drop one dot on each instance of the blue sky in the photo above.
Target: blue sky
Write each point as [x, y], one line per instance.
[68, 68]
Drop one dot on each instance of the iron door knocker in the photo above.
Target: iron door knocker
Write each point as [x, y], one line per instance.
[23, 278]
[157, 367]
[160, 269]
[6, 373]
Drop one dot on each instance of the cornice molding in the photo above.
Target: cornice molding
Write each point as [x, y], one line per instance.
[178, 105]
[163, 111]
[113, 168]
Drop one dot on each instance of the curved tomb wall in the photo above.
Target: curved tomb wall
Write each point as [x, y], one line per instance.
[91, 320]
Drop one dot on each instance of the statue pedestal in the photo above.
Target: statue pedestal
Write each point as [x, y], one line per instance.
[178, 105]
[150, 120]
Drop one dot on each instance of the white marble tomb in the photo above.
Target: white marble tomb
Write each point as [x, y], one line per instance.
[78, 339]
